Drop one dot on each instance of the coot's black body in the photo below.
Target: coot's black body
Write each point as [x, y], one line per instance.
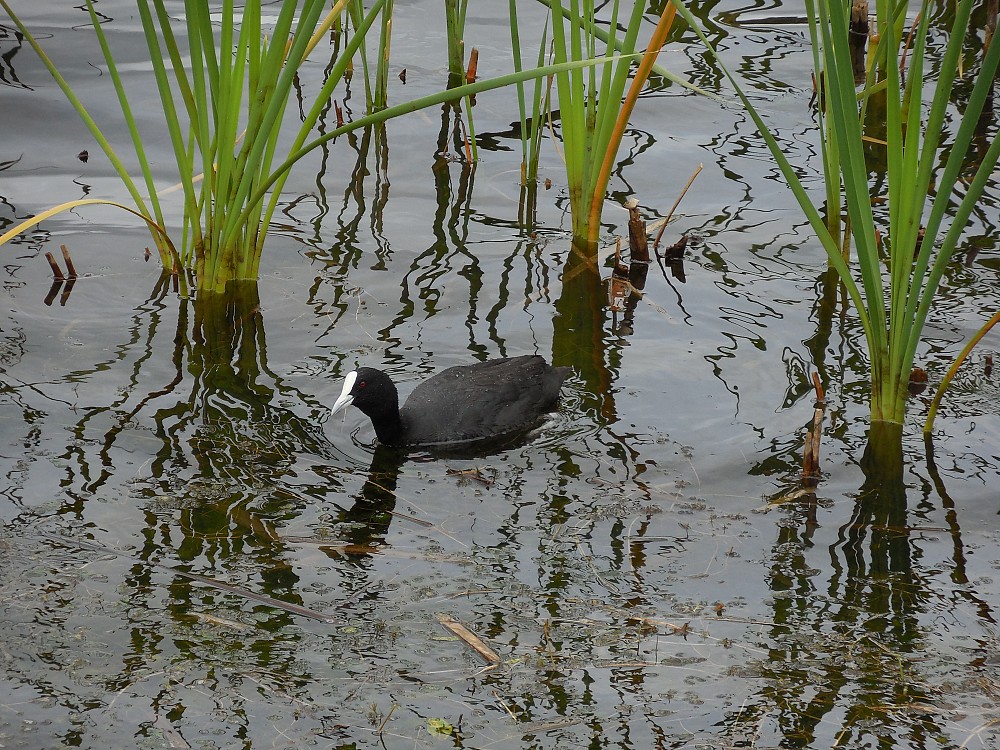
[464, 404]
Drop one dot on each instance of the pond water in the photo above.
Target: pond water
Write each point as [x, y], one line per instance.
[195, 555]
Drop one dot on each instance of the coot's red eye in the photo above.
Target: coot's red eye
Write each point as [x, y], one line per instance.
[362, 384]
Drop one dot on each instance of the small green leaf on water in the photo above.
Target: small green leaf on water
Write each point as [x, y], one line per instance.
[440, 726]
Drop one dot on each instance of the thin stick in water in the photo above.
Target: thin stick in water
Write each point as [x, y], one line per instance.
[670, 214]
[472, 640]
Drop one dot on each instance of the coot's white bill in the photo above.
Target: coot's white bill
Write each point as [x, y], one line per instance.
[345, 399]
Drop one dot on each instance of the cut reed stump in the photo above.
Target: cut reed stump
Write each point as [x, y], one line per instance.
[858, 39]
[57, 274]
[810, 457]
[58, 277]
[69, 261]
[638, 240]
[472, 71]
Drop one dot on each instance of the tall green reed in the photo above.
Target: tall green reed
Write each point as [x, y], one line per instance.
[454, 12]
[593, 106]
[532, 126]
[899, 274]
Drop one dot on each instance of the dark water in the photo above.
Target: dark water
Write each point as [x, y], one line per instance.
[633, 563]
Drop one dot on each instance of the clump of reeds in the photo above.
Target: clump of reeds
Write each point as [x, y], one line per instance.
[901, 257]
[594, 107]
[224, 113]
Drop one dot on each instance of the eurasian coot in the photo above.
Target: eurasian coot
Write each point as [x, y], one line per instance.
[462, 404]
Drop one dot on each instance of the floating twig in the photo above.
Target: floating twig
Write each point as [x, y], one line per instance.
[381, 727]
[475, 475]
[472, 640]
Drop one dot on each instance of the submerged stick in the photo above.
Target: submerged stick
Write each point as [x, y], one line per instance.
[295, 609]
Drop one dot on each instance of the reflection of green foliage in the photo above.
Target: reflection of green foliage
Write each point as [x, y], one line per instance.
[894, 297]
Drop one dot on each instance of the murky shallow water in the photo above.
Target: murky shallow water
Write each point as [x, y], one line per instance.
[626, 563]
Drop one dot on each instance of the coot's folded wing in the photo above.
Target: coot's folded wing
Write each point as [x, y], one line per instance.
[484, 400]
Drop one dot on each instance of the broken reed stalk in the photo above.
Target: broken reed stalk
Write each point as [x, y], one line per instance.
[638, 241]
[932, 411]
[472, 71]
[69, 261]
[57, 273]
[810, 457]
[858, 39]
[670, 213]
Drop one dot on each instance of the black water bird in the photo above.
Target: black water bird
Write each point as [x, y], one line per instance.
[469, 403]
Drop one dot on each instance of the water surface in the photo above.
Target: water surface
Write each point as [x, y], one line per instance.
[633, 563]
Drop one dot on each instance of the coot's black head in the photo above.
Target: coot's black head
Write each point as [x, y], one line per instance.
[372, 392]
